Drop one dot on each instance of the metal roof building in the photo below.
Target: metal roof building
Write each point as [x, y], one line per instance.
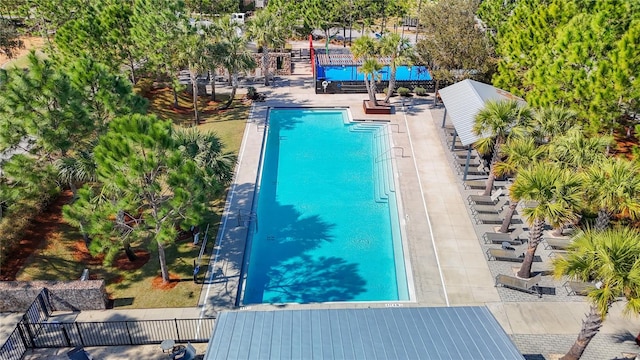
[464, 99]
[381, 333]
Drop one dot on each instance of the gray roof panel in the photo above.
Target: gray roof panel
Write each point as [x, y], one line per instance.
[380, 333]
[464, 99]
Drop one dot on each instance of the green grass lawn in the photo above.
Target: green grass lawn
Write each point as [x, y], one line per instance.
[64, 255]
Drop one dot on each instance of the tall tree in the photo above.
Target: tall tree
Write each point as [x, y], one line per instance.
[103, 32]
[268, 32]
[140, 158]
[557, 194]
[456, 47]
[193, 53]
[365, 49]
[234, 54]
[400, 52]
[517, 154]
[496, 122]
[610, 260]
[42, 105]
[156, 27]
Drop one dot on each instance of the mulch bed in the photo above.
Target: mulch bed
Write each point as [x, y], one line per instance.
[34, 237]
[157, 282]
[44, 225]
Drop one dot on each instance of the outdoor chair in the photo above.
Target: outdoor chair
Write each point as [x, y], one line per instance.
[577, 287]
[79, 354]
[499, 238]
[558, 253]
[556, 243]
[489, 209]
[527, 285]
[483, 199]
[504, 255]
[189, 353]
[474, 184]
[483, 218]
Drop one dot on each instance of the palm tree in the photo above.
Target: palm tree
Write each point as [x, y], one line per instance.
[193, 54]
[234, 54]
[399, 50]
[613, 186]
[496, 122]
[611, 258]
[267, 31]
[80, 168]
[206, 149]
[371, 70]
[552, 121]
[366, 50]
[576, 151]
[517, 153]
[557, 194]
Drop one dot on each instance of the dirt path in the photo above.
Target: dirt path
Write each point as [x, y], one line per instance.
[30, 42]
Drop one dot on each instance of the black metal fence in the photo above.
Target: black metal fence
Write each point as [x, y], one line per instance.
[38, 330]
[358, 87]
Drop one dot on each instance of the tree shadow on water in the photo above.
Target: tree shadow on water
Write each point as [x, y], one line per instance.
[284, 269]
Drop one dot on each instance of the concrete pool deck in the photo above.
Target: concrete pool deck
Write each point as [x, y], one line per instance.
[448, 266]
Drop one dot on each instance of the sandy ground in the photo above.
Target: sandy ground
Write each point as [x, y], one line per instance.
[30, 42]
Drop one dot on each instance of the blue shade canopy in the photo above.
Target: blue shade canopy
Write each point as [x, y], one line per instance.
[436, 333]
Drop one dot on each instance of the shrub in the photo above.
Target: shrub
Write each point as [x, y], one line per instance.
[384, 91]
[403, 91]
[420, 91]
[252, 92]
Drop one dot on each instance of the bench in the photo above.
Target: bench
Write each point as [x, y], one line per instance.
[529, 285]
[577, 287]
[499, 238]
[557, 243]
[504, 255]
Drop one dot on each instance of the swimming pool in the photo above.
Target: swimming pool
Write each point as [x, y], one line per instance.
[350, 73]
[326, 225]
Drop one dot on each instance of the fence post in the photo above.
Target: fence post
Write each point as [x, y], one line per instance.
[65, 334]
[27, 325]
[177, 330]
[126, 323]
[79, 334]
[27, 343]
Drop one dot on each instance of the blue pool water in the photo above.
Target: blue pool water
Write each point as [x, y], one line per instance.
[326, 223]
[350, 73]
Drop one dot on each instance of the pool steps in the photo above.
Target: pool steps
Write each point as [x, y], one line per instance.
[381, 160]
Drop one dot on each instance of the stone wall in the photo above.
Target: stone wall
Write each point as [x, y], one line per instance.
[285, 68]
[16, 296]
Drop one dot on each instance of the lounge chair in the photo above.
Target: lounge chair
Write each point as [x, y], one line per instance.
[558, 253]
[504, 255]
[483, 218]
[79, 353]
[577, 287]
[527, 285]
[499, 238]
[483, 199]
[489, 209]
[556, 243]
[474, 184]
[187, 353]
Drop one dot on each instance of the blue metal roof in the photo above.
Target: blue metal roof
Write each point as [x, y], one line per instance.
[382, 333]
